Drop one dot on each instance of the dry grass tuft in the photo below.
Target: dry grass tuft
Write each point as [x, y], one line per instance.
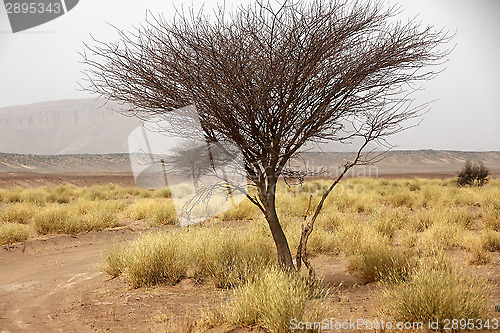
[13, 233]
[436, 291]
[273, 300]
[376, 261]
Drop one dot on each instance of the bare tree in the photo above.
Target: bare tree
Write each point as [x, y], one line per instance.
[271, 78]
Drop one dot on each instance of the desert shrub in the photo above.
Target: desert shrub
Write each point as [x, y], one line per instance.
[98, 218]
[436, 291]
[65, 219]
[473, 174]
[115, 260]
[37, 196]
[162, 193]
[388, 221]
[429, 196]
[491, 215]
[245, 210]
[288, 205]
[465, 218]
[157, 211]
[228, 257]
[58, 198]
[224, 256]
[421, 220]
[352, 234]
[323, 241]
[491, 240]
[12, 233]
[17, 213]
[377, 261]
[271, 299]
[440, 236]
[164, 214]
[151, 259]
[401, 199]
[414, 185]
[96, 193]
[54, 219]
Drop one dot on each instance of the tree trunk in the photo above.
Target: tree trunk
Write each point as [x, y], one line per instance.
[284, 255]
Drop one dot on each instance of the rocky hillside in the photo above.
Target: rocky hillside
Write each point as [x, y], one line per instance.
[65, 127]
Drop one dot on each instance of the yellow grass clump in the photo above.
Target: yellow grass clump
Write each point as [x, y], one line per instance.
[437, 291]
[13, 233]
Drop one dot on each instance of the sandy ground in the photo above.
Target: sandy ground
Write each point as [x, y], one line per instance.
[54, 283]
[27, 179]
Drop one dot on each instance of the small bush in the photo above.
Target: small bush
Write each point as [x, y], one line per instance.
[37, 196]
[440, 236]
[473, 174]
[229, 258]
[157, 211]
[491, 240]
[17, 213]
[379, 261]
[54, 219]
[71, 220]
[324, 241]
[245, 210]
[96, 219]
[401, 199]
[96, 193]
[115, 258]
[12, 233]
[436, 291]
[272, 299]
[226, 257]
[163, 193]
[153, 259]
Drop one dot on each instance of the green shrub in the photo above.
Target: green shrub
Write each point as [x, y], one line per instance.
[473, 174]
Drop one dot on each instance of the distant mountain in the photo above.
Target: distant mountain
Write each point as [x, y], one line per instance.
[405, 161]
[81, 163]
[396, 162]
[81, 126]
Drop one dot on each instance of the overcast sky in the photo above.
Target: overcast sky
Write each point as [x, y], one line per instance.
[41, 64]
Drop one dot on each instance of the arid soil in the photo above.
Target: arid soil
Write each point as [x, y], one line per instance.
[54, 283]
[27, 179]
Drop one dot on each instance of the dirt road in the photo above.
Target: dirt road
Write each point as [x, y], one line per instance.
[56, 286]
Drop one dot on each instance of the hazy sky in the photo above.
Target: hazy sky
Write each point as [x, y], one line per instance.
[41, 64]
